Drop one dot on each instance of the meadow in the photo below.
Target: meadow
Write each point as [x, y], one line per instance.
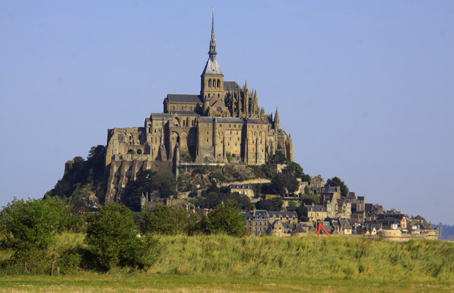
[261, 264]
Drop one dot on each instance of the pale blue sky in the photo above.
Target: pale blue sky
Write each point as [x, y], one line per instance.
[364, 87]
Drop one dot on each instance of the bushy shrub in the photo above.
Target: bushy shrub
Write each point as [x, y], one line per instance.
[29, 227]
[113, 240]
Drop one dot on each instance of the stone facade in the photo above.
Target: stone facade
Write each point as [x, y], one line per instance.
[222, 124]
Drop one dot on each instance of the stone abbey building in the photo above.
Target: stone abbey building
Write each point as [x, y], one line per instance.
[223, 123]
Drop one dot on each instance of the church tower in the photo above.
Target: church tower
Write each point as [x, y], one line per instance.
[212, 78]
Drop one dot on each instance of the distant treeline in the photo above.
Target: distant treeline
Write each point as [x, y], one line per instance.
[446, 231]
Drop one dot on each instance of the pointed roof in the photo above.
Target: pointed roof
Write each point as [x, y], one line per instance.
[276, 119]
[212, 67]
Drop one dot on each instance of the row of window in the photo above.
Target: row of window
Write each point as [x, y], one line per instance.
[216, 83]
[184, 108]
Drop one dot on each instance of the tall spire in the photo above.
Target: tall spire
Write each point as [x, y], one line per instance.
[212, 51]
[212, 66]
[276, 120]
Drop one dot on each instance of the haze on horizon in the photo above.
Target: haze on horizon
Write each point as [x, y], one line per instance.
[365, 88]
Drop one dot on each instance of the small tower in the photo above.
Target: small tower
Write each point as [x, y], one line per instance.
[212, 79]
[276, 120]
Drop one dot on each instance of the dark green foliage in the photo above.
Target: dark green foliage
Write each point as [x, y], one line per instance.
[269, 204]
[149, 181]
[309, 198]
[306, 178]
[278, 158]
[213, 188]
[165, 220]
[69, 258]
[226, 219]
[219, 176]
[29, 227]
[294, 169]
[336, 181]
[81, 178]
[284, 183]
[269, 171]
[113, 240]
[302, 213]
[212, 200]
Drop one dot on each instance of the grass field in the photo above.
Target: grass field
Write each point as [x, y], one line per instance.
[171, 283]
[263, 264]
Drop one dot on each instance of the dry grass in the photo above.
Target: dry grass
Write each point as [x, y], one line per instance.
[264, 264]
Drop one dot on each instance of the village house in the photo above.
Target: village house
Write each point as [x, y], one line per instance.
[245, 189]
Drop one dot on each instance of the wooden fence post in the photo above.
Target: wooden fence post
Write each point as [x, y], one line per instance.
[52, 269]
[25, 266]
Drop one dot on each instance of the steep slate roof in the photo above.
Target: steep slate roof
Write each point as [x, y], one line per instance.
[345, 224]
[259, 215]
[206, 119]
[351, 195]
[230, 85]
[329, 189]
[315, 208]
[212, 67]
[184, 112]
[255, 121]
[228, 120]
[284, 214]
[160, 116]
[183, 98]
[269, 118]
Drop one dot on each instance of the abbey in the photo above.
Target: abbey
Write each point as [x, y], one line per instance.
[222, 124]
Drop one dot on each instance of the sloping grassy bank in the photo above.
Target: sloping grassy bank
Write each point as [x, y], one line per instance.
[307, 258]
[318, 257]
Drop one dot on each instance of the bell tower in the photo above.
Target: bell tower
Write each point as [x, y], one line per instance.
[212, 79]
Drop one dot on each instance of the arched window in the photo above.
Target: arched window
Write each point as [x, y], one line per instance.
[219, 83]
[139, 152]
[209, 83]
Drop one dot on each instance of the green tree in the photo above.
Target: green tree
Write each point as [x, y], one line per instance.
[269, 171]
[149, 181]
[302, 213]
[269, 204]
[113, 239]
[29, 227]
[226, 218]
[278, 158]
[213, 188]
[295, 169]
[284, 183]
[336, 181]
[164, 220]
[310, 198]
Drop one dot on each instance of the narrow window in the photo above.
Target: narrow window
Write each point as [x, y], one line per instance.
[209, 83]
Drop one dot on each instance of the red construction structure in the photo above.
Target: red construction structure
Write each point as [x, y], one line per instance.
[320, 226]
